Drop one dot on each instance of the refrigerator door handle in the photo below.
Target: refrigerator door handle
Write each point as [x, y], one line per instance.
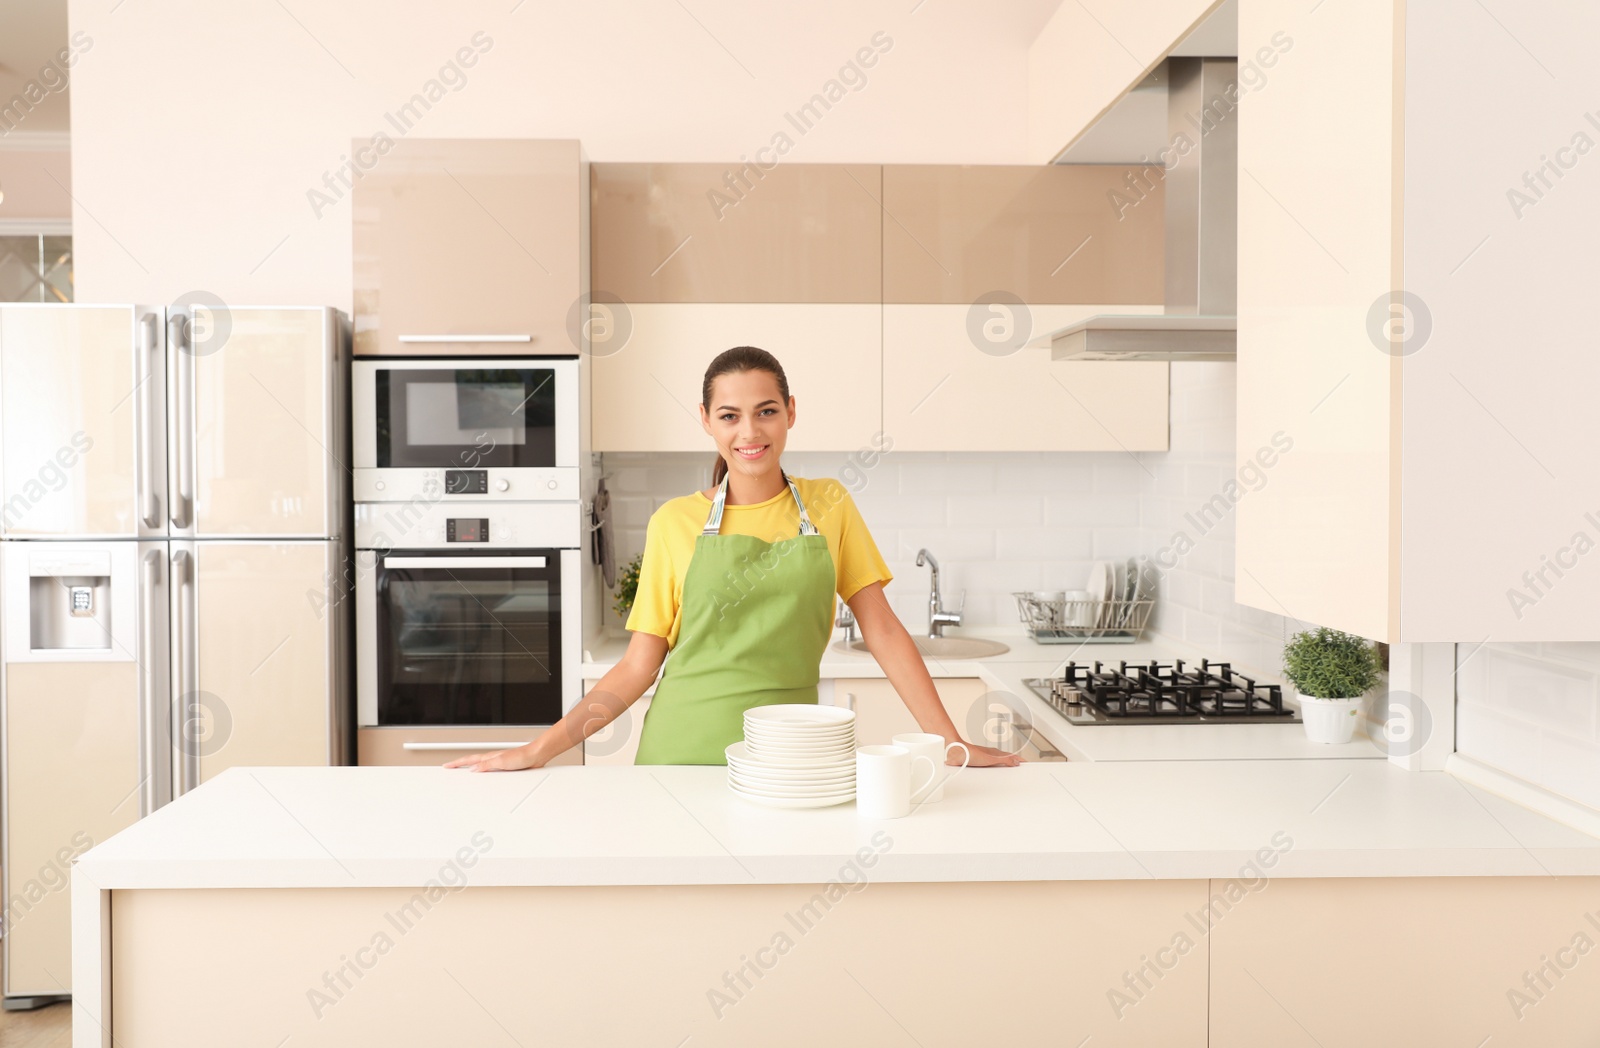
[145, 467]
[183, 413]
[188, 757]
[152, 715]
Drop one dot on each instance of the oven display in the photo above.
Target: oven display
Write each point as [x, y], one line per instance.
[466, 529]
[466, 482]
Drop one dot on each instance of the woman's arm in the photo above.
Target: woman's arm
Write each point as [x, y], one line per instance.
[897, 653]
[613, 693]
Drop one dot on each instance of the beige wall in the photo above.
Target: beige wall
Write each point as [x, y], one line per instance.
[198, 138]
[36, 182]
[1082, 62]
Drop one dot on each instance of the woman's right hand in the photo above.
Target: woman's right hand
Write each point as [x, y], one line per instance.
[500, 760]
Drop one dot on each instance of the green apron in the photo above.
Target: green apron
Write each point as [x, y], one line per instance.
[755, 619]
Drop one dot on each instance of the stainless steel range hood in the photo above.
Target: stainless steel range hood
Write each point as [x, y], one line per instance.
[1202, 224]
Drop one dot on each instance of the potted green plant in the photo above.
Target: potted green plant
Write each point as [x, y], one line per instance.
[1332, 671]
[628, 587]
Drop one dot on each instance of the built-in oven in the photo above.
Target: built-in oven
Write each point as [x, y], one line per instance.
[468, 631]
[487, 429]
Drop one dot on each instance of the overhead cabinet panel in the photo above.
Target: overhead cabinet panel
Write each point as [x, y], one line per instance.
[1044, 234]
[731, 233]
[474, 238]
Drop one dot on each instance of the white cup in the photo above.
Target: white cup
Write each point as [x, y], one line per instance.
[883, 781]
[924, 744]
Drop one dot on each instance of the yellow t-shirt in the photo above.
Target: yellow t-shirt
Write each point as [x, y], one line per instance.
[669, 545]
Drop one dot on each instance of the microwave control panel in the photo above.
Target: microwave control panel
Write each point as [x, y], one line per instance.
[466, 482]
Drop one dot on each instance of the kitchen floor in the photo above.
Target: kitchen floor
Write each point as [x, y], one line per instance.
[48, 1027]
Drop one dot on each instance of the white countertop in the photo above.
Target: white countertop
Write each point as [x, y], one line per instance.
[1100, 742]
[574, 825]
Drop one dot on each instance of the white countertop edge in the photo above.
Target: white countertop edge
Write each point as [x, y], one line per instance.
[417, 873]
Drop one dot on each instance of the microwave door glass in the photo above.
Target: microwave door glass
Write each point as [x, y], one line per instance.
[466, 417]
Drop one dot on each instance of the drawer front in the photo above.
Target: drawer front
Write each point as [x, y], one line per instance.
[420, 747]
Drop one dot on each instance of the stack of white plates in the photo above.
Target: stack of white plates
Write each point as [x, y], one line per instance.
[799, 755]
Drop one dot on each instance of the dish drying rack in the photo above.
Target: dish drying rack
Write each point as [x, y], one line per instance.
[1065, 621]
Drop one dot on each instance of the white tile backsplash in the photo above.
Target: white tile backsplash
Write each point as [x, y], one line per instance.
[1533, 710]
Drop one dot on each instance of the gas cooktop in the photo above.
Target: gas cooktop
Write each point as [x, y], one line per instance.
[1154, 693]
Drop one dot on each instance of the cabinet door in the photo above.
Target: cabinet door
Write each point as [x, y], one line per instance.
[951, 383]
[1045, 234]
[881, 713]
[467, 239]
[416, 747]
[267, 454]
[647, 392]
[618, 742]
[266, 633]
[714, 233]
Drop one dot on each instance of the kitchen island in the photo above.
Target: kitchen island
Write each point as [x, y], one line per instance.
[1173, 903]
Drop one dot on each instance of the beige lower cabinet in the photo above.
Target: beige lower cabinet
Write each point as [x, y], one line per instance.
[618, 742]
[777, 965]
[1473, 961]
[882, 714]
[650, 370]
[402, 746]
[958, 378]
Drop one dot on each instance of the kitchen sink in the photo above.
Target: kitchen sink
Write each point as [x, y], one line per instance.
[938, 647]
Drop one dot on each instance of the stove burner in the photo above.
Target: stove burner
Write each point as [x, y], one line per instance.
[1159, 693]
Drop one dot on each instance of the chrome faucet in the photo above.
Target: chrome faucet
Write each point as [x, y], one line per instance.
[938, 618]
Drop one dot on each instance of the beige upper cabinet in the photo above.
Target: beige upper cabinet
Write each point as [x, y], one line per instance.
[719, 233]
[1044, 234]
[701, 262]
[463, 244]
[1410, 316]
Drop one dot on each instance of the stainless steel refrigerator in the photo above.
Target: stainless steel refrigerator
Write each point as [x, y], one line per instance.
[174, 511]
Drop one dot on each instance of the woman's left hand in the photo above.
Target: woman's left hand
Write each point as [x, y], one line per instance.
[986, 757]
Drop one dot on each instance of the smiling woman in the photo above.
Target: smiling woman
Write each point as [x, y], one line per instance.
[738, 582]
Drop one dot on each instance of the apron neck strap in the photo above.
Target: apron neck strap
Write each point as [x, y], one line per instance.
[714, 518]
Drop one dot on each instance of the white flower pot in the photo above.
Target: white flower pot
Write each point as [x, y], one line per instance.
[1330, 721]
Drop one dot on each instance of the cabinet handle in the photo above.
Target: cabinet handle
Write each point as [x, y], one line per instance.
[467, 746]
[466, 338]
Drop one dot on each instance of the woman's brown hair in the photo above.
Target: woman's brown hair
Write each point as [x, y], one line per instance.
[733, 361]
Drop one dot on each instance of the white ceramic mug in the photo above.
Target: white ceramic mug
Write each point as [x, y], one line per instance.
[883, 781]
[925, 744]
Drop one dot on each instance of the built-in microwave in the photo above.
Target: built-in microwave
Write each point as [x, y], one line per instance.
[484, 429]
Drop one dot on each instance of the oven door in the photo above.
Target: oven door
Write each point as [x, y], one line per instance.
[469, 638]
[466, 414]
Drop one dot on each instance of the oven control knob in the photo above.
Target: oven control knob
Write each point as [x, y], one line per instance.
[552, 485]
[378, 484]
[502, 484]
